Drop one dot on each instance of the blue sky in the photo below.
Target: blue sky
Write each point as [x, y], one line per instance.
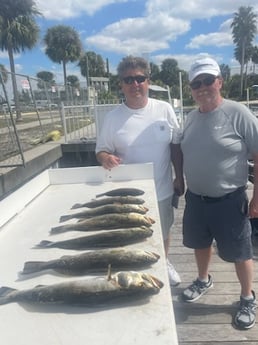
[157, 29]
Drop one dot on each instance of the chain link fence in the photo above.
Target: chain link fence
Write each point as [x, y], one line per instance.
[35, 116]
[44, 112]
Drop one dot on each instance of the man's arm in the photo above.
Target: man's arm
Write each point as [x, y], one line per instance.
[253, 206]
[177, 161]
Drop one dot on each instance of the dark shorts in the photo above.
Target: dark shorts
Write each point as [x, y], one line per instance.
[226, 221]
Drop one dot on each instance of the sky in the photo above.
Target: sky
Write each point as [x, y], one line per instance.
[155, 29]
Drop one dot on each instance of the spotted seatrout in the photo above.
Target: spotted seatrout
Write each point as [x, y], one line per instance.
[95, 261]
[111, 200]
[122, 192]
[106, 209]
[105, 222]
[91, 291]
[103, 239]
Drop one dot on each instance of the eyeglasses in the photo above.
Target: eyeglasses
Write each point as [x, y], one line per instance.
[131, 79]
[208, 81]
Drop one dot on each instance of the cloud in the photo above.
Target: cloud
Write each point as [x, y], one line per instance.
[184, 60]
[72, 8]
[196, 9]
[221, 38]
[142, 34]
[215, 39]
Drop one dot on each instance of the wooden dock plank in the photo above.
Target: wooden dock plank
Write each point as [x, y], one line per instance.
[208, 321]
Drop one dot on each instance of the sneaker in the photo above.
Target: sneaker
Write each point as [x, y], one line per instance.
[246, 314]
[196, 290]
[173, 276]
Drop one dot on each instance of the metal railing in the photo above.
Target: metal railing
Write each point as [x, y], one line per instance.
[28, 121]
[82, 123]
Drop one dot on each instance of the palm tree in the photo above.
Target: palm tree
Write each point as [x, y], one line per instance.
[18, 32]
[3, 81]
[244, 28]
[46, 78]
[91, 64]
[63, 45]
[169, 72]
[254, 57]
[3, 74]
[73, 81]
[154, 71]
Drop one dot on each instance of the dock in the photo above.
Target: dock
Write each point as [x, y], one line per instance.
[208, 321]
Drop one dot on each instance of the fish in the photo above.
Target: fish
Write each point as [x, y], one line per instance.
[122, 192]
[103, 239]
[110, 200]
[105, 222]
[94, 261]
[96, 291]
[106, 209]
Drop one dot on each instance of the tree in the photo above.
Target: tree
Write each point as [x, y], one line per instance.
[225, 71]
[45, 77]
[3, 74]
[154, 72]
[243, 31]
[18, 32]
[3, 81]
[254, 57]
[91, 65]
[73, 81]
[63, 45]
[169, 72]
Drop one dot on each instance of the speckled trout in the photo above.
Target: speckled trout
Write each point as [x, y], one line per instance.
[95, 261]
[87, 292]
[105, 222]
[106, 209]
[103, 239]
[122, 192]
[110, 200]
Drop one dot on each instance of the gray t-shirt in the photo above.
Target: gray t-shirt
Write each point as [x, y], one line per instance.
[216, 147]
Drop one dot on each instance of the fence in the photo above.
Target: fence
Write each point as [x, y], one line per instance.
[27, 119]
[83, 123]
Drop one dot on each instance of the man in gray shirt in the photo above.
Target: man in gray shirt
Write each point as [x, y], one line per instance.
[218, 139]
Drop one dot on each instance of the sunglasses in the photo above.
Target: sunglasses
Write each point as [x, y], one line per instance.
[208, 81]
[131, 79]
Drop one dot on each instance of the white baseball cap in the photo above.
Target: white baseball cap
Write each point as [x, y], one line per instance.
[201, 66]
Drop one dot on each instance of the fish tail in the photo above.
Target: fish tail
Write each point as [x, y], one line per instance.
[57, 229]
[4, 294]
[64, 218]
[76, 206]
[44, 244]
[99, 195]
[32, 266]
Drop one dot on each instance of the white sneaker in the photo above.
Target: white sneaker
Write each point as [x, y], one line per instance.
[174, 278]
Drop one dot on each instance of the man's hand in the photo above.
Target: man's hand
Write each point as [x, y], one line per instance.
[179, 186]
[108, 160]
[253, 208]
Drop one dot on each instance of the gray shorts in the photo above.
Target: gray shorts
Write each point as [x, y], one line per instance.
[166, 214]
[226, 221]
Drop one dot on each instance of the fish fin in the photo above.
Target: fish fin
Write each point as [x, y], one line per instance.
[76, 206]
[5, 290]
[31, 267]
[64, 218]
[151, 220]
[99, 195]
[109, 272]
[44, 244]
[57, 229]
